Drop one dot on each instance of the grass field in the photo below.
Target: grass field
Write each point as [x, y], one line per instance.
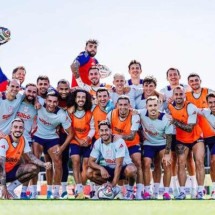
[97, 207]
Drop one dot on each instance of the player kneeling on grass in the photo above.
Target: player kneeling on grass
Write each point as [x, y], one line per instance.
[110, 161]
[12, 148]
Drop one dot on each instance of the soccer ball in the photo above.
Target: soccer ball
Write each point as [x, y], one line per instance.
[4, 35]
[104, 71]
[105, 192]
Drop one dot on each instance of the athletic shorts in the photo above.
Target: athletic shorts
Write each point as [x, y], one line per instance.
[134, 149]
[189, 145]
[11, 175]
[111, 173]
[46, 143]
[173, 145]
[78, 150]
[210, 141]
[151, 151]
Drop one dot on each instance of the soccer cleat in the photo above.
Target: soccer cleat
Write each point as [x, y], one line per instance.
[64, 195]
[57, 196]
[181, 196]
[193, 193]
[14, 196]
[33, 195]
[80, 195]
[24, 196]
[129, 195]
[166, 196]
[213, 195]
[200, 196]
[147, 196]
[119, 196]
[49, 195]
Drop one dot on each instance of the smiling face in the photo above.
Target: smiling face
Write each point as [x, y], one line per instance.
[13, 88]
[149, 88]
[51, 103]
[211, 104]
[42, 86]
[102, 98]
[194, 82]
[152, 107]
[135, 71]
[119, 82]
[20, 75]
[173, 77]
[80, 100]
[94, 76]
[178, 96]
[31, 93]
[105, 133]
[63, 90]
[123, 106]
[17, 129]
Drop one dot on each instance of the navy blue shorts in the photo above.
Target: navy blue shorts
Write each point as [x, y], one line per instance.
[111, 173]
[46, 143]
[78, 150]
[134, 149]
[189, 145]
[11, 175]
[210, 141]
[173, 145]
[151, 151]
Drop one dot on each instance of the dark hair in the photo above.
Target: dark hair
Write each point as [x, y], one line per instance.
[134, 62]
[123, 97]
[93, 41]
[172, 69]
[104, 122]
[30, 84]
[17, 68]
[71, 100]
[149, 80]
[102, 89]
[63, 81]
[43, 77]
[178, 88]
[191, 75]
[52, 92]
[210, 95]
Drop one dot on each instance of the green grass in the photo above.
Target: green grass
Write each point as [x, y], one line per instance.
[116, 207]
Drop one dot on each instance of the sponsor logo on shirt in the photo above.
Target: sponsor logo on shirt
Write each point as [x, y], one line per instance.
[44, 122]
[23, 115]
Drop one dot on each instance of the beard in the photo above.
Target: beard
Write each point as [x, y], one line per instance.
[30, 100]
[92, 54]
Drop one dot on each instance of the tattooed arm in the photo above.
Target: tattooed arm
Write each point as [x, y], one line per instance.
[33, 159]
[75, 69]
[168, 143]
[183, 126]
[2, 171]
[129, 136]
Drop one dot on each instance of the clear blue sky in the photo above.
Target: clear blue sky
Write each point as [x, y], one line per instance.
[48, 34]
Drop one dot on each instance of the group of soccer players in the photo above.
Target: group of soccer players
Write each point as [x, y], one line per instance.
[113, 134]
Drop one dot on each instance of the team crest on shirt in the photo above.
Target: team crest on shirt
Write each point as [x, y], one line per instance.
[109, 153]
[10, 109]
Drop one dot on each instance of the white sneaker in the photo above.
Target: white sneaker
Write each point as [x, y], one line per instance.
[176, 192]
[213, 195]
[129, 195]
[33, 195]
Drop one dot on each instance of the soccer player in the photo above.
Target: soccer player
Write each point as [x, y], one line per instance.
[101, 110]
[125, 124]
[173, 77]
[121, 89]
[188, 137]
[80, 146]
[27, 113]
[94, 76]
[63, 89]
[12, 148]
[83, 62]
[209, 114]
[158, 138]
[19, 74]
[46, 139]
[9, 103]
[135, 70]
[110, 160]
